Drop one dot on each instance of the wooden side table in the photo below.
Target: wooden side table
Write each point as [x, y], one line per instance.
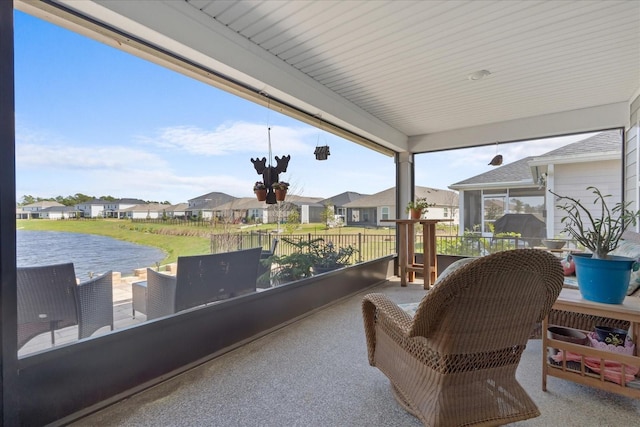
[406, 250]
[570, 300]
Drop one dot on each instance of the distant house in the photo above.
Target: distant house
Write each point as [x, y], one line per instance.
[143, 211]
[33, 210]
[309, 208]
[93, 208]
[110, 209]
[205, 205]
[40, 210]
[372, 210]
[59, 212]
[339, 201]
[243, 208]
[521, 186]
[176, 211]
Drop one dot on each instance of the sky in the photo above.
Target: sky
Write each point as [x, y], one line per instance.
[94, 120]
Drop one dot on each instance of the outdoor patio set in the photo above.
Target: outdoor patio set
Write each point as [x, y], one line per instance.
[50, 297]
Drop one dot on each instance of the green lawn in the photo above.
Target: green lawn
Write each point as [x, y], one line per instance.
[175, 240]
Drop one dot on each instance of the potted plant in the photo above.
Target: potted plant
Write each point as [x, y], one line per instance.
[260, 191]
[418, 207]
[601, 277]
[327, 257]
[280, 189]
[309, 257]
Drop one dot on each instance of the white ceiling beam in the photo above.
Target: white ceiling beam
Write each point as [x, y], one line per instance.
[562, 123]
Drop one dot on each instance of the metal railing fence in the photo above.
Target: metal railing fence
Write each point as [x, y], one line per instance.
[372, 246]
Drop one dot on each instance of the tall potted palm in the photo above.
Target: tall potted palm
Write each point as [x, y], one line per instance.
[602, 277]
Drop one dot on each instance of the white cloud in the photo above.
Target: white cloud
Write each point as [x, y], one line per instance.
[232, 138]
[58, 157]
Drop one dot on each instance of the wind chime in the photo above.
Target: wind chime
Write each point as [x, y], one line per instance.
[274, 189]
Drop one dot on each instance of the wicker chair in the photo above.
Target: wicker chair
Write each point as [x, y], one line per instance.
[46, 300]
[202, 279]
[95, 302]
[454, 362]
[160, 294]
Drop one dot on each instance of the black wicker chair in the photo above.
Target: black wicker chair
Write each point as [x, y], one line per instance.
[95, 302]
[46, 300]
[202, 279]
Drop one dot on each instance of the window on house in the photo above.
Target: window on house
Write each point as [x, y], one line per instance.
[445, 212]
[385, 212]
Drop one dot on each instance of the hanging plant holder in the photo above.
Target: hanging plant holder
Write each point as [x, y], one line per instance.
[270, 173]
[322, 152]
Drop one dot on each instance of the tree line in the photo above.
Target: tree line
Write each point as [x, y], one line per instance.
[76, 199]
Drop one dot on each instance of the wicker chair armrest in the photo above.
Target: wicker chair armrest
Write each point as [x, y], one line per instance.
[379, 308]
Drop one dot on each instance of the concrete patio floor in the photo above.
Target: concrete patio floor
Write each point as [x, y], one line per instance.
[315, 372]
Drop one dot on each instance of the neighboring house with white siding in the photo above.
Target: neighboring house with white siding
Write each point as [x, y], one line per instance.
[59, 212]
[143, 211]
[34, 210]
[93, 208]
[521, 186]
[177, 211]
[111, 208]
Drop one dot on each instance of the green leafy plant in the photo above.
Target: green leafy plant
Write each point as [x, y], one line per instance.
[327, 256]
[600, 234]
[259, 185]
[420, 203]
[307, 254]
[280, 185]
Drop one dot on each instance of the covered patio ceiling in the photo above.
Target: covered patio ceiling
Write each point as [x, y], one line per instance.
[395, 73]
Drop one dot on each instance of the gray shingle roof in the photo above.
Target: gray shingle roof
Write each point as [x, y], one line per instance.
[388, 198]
[342, 199]
[520, 171]
[211, 200]
[517, 171]
[601, 143]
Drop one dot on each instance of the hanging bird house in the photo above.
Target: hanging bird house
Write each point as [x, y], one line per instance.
[322, 152]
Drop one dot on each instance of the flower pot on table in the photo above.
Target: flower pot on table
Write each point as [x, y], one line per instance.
[603, 280]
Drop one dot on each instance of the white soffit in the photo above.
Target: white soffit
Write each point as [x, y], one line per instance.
[392, 70]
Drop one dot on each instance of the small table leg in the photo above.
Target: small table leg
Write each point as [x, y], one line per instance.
[411, 252]
[544, 354]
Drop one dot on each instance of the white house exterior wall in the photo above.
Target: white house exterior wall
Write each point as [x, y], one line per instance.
[436, 212]
[145, 215]
[573, 179]
[304, 214]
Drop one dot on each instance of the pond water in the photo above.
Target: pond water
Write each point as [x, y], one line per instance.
[89, 253]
